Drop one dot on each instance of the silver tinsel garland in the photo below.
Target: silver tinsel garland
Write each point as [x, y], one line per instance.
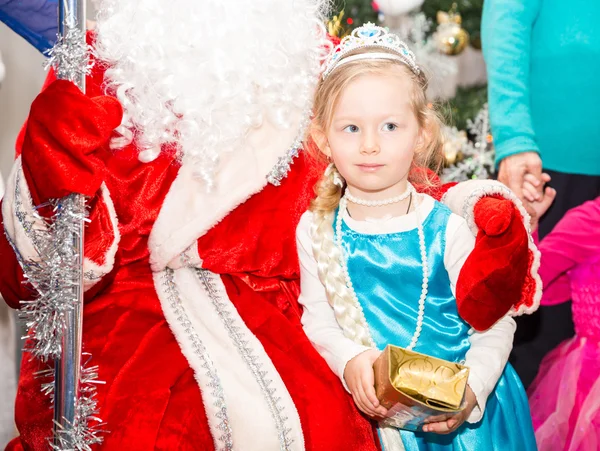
[70, 56]
[87, 427]
[53, 275]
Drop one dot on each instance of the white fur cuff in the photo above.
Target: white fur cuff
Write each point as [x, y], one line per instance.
[22, 223]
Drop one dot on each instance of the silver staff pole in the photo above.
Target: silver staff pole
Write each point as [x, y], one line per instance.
[71, 15]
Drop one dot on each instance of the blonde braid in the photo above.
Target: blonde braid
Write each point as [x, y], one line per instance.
[327, 254]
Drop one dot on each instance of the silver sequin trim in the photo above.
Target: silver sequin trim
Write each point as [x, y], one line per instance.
[28, 226]
[23, 216]
[91, 275]
[283, 165]
[184, 257]
[225, 439]
[251, 360]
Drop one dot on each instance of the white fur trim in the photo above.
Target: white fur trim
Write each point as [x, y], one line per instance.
[189, 211]
[92, 271]
[240, 385]
[21, 220]
[462, 199]
[190, 258]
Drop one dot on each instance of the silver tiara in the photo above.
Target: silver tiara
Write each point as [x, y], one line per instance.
[370, 36]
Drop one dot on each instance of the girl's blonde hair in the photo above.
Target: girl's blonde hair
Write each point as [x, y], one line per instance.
[428, 155]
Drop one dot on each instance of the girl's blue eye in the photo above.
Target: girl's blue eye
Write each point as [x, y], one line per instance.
[351, 129]
[389, 127]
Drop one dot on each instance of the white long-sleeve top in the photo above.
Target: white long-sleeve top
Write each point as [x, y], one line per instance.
[489, 350]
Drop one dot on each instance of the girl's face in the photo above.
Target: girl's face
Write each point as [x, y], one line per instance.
[373, 134]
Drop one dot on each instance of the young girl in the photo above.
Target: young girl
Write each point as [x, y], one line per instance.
[565, 396]
[379, 262]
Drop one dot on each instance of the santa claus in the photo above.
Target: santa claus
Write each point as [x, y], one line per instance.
[188, 145]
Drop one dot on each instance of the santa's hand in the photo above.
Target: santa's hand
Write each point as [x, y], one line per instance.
[492, 279]
[493, 215]
[451, 424]
[360, 379]
[64, 136]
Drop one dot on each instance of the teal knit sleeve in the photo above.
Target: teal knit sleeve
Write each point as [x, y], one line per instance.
[506, 38]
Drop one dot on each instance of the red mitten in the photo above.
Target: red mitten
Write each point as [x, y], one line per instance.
[62, 147]
[494, 276]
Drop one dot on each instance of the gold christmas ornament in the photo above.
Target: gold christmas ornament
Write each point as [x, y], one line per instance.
[454, 142]
[450, 37]
[335, 26]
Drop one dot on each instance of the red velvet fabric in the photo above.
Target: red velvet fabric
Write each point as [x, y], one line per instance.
[493, 276]
[99, 231]
[12, 282]
[259, 237]
[150, 399]
[65, 134]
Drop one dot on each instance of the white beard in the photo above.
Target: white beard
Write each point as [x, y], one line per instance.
[201, 74]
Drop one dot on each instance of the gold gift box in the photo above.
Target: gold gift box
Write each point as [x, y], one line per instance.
[415, 386]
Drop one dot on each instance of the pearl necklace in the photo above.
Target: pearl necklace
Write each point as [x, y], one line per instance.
[378, 203]
[424, 285]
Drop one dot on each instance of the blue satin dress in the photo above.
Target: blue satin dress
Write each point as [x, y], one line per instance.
[386, 274]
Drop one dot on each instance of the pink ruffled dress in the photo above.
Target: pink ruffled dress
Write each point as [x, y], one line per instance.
[565, 396]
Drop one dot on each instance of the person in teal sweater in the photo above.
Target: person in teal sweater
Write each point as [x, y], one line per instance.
[543, 61]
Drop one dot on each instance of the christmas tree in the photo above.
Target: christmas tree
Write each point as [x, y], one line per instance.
[468, 101]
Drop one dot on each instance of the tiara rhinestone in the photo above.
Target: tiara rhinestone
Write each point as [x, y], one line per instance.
[370, 36]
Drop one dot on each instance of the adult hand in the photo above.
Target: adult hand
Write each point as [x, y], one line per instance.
[445, 425]
[360, 379]
[512, 171]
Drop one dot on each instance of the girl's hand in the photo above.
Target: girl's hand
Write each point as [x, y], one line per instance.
[540, 198]
[446, 425]
[533, 188]
[360, 378]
